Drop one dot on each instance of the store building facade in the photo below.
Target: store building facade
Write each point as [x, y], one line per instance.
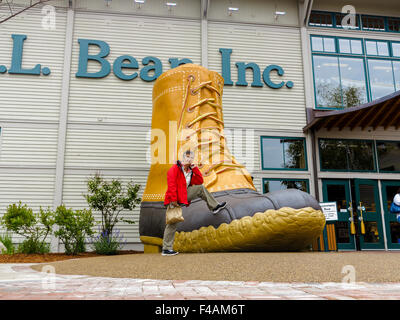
[76, 99]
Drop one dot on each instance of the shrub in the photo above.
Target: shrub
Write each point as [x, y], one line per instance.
[34, 227]
[6, 240]
[32, 246]
[73, 227]
[110, 199]
[107, 244]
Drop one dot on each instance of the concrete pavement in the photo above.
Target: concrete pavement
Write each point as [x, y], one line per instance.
[20, 281]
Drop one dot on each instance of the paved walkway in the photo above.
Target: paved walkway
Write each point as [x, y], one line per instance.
[19, 281]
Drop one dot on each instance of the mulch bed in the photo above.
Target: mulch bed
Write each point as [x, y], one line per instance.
[50, 257]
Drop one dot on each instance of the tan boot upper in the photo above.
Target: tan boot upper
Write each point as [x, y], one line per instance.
[187, 114]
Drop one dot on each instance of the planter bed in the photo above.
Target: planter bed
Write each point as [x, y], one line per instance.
[49, 257]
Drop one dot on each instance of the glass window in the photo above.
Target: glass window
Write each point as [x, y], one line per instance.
[380, 78]
[323, 44]
[393, 24]
[356, 46]
[283, 153]
[344, 46]
[388, 155]
[396, 49]
[283, 184]
[329, 45]
[327, 81]
[352, 76]
[373, 23]
[339, 88]
[320, 19]
[350, 46]
[317, 44]
[396, 72]
[346, 155]
[377, 48]
[383, 48]
[371, 48]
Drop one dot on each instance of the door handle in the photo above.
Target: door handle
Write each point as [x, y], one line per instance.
[361, 208]
[352, 226]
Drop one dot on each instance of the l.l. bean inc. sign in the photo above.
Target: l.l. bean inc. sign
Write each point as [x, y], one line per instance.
[123, 67]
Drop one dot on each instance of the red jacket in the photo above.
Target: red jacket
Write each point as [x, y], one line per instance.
[177, 190]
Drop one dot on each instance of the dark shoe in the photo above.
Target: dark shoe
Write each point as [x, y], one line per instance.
[169, 253]
[219, 207]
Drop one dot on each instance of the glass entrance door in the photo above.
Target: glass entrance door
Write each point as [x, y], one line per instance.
[392, 227]
[369, 214]
[339, 191]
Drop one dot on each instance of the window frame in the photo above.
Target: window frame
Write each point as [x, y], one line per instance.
[374, 156]
[307, 181]
[283, 169]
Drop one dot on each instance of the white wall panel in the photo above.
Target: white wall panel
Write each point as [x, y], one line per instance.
[28, 146]
[31, 97]
[253, 107]
[111, 99]
[102, 147]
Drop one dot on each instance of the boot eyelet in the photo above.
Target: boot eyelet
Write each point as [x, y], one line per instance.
[191, 78]
[188, 127]
[193, 92]
[189, 110]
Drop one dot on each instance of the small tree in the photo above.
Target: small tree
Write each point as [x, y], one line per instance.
[73, 227]
[110, 199]
[34, 227]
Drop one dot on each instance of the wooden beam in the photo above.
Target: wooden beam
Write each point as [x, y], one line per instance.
[388, 114]
[377, 113]
[333, 122]
[367, 113]
[345, 121]
[355, 117]
[393, 121]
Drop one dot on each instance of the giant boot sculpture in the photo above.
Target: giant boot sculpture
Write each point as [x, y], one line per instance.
[187, 114]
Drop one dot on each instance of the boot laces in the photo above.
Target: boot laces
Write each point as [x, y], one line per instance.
[229, 161]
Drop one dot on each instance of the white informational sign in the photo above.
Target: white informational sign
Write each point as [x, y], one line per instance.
[330, 210]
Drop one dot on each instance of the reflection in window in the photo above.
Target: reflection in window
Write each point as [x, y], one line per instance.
[371, 232]
[367, 197]
[394, 24]
[324, 44]
[373, 23]
[283, 153]
[342, 231]
[274, 185]
[352, 76]
[389, 155]
[377, 48]
[339, 81]
[350, 46]
[381, 78]
[395, 231]
[346, 155]
[396, 49]
[396, 72]
[320, 19]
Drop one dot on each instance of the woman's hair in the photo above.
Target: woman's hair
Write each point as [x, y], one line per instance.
[188, 153]
[398, 191]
